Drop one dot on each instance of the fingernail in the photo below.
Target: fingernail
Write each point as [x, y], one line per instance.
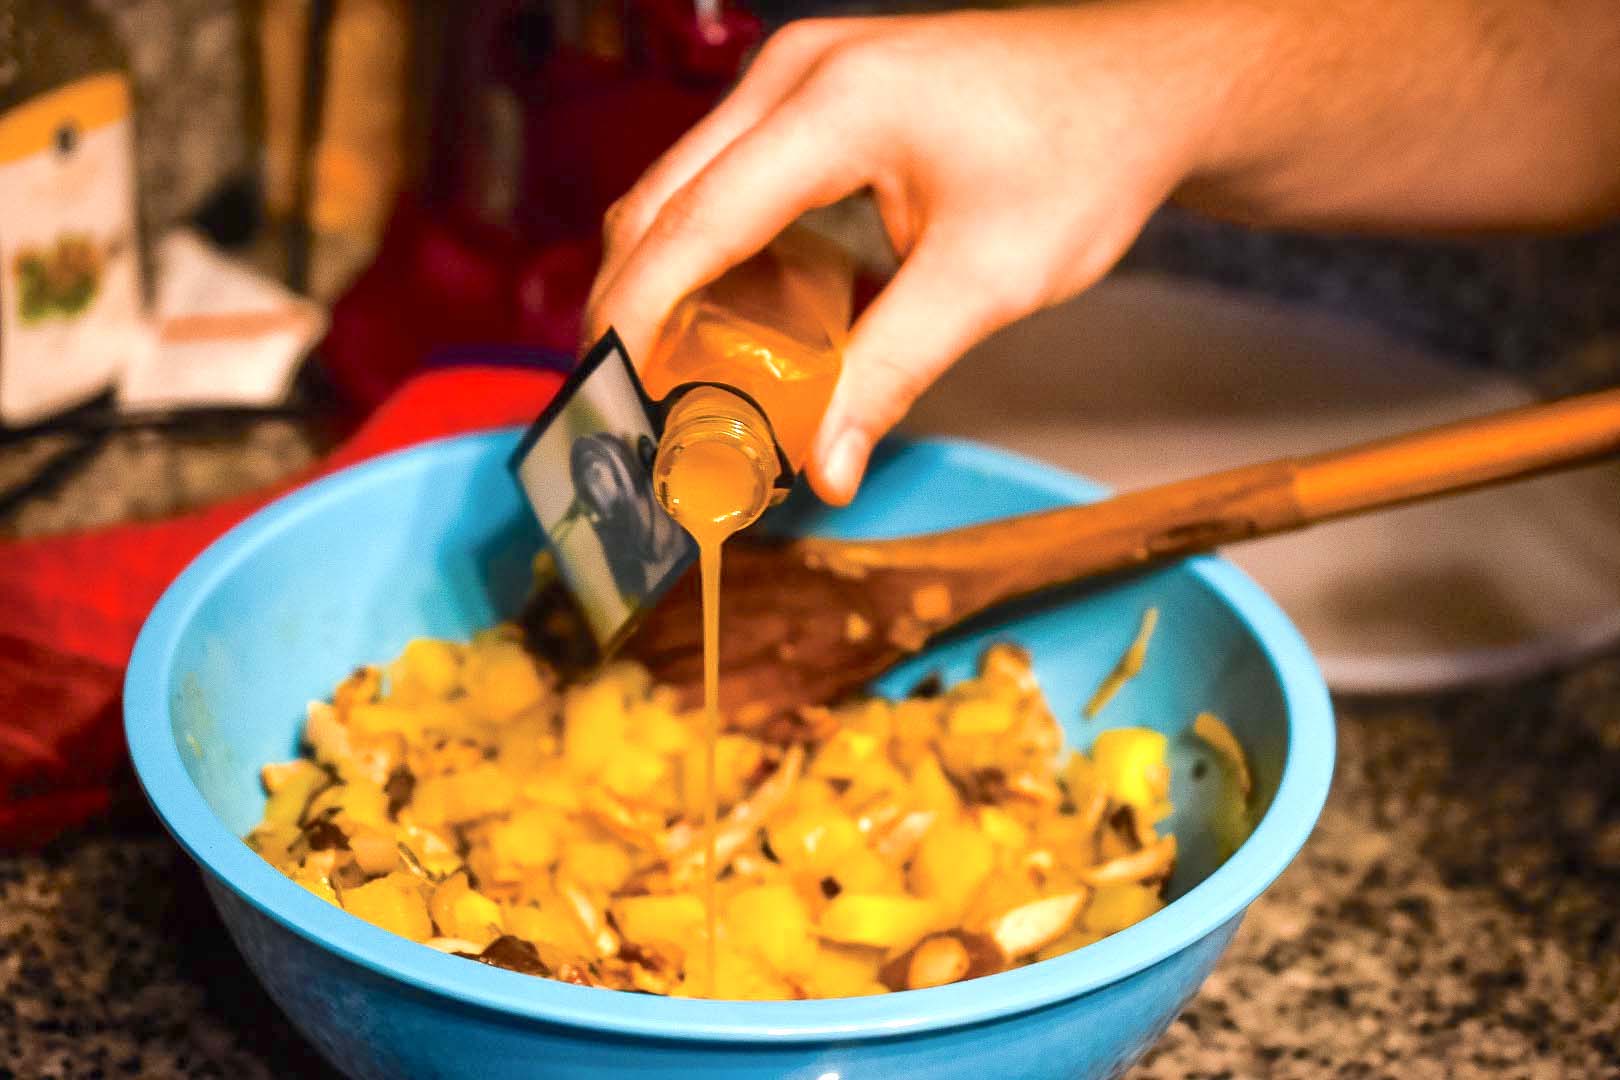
[843, 468]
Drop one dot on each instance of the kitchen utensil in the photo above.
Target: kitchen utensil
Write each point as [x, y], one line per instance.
[808, 621]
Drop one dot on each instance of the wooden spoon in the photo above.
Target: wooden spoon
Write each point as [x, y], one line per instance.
[808, 621]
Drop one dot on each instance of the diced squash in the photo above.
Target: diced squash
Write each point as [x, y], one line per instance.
[844, 972]
[295, 783]
[815, 840]
[549, 923]
[845, 754]
[394, 903]
[740, 975]
[881, 921]
[460, 912]
[361, 686]
[596, 864]
[501, 680]
[951, 863]
[375, 850]
[633, 771]
[525, 841]
[459, 797]
[931, 789]
[774, 922]
[427, 668]
[380, 717]
[672, 919]
[1114, 907]
[1077, 938]
[272, 840]
[657, 728]
[1002, 828]
[981, 716]
[593, 726]
[320, 886]
[1132, 764]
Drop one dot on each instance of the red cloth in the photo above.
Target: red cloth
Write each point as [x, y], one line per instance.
[71, 605]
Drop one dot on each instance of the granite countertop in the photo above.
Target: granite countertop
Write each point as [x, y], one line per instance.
[1456, 914]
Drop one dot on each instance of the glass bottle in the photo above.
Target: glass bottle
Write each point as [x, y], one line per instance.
[747, 365]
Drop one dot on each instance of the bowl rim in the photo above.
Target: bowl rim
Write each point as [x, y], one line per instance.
[1201, 911]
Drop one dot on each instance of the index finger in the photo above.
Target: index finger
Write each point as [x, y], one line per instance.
[794, 160]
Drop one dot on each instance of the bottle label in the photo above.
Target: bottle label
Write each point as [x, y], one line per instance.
[70, 292]
[585, 467]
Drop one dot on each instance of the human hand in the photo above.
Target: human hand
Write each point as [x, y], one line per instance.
[1013, 157]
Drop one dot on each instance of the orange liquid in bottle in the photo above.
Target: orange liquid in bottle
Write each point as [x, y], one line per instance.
[773, 328]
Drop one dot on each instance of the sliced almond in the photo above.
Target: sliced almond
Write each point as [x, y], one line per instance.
[1031, 926]
[1129, 666]
[935, 962]
[1219, 737]
[738, 827]
[1153, 861]
[900, 842]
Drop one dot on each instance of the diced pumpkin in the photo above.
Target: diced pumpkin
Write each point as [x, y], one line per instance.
[548, 922]
[361, 685]
[633, 771]
[596, 864]
[815, 840]
[881, 921]
[1003, 830]
[320, 886]
[526, 840]
[501, 681]
[375, 850]
[1114, 907]
[459, 797]
[845, 754]
[843, 972]
[427, 668]
[382, 717]
[951, 863]
[740, 975]
[460, 912]
[394, 903]
[931, 789]
[671, 919]
[593, 726]
[294, 784]
[657, 728]
[981, 716]
[1132, 764]
[774, 922]
[1077, 938]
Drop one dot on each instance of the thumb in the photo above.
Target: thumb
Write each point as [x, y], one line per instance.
[917, 327]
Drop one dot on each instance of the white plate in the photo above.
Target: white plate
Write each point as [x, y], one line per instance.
[1145, 380]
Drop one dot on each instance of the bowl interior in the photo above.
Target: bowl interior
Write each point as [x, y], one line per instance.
[437, 542]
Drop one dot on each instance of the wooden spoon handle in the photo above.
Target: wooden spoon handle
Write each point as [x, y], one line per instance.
[950, 576]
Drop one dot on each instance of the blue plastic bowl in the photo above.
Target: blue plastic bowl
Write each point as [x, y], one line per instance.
[434, 541]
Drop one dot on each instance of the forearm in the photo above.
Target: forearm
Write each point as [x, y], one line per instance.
[1419, 114]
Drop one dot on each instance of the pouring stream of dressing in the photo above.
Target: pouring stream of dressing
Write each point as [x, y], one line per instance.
[712, 488]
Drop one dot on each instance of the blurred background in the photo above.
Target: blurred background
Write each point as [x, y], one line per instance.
[432, 182]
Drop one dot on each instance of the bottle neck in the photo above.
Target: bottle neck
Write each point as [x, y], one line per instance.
[716, 468]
